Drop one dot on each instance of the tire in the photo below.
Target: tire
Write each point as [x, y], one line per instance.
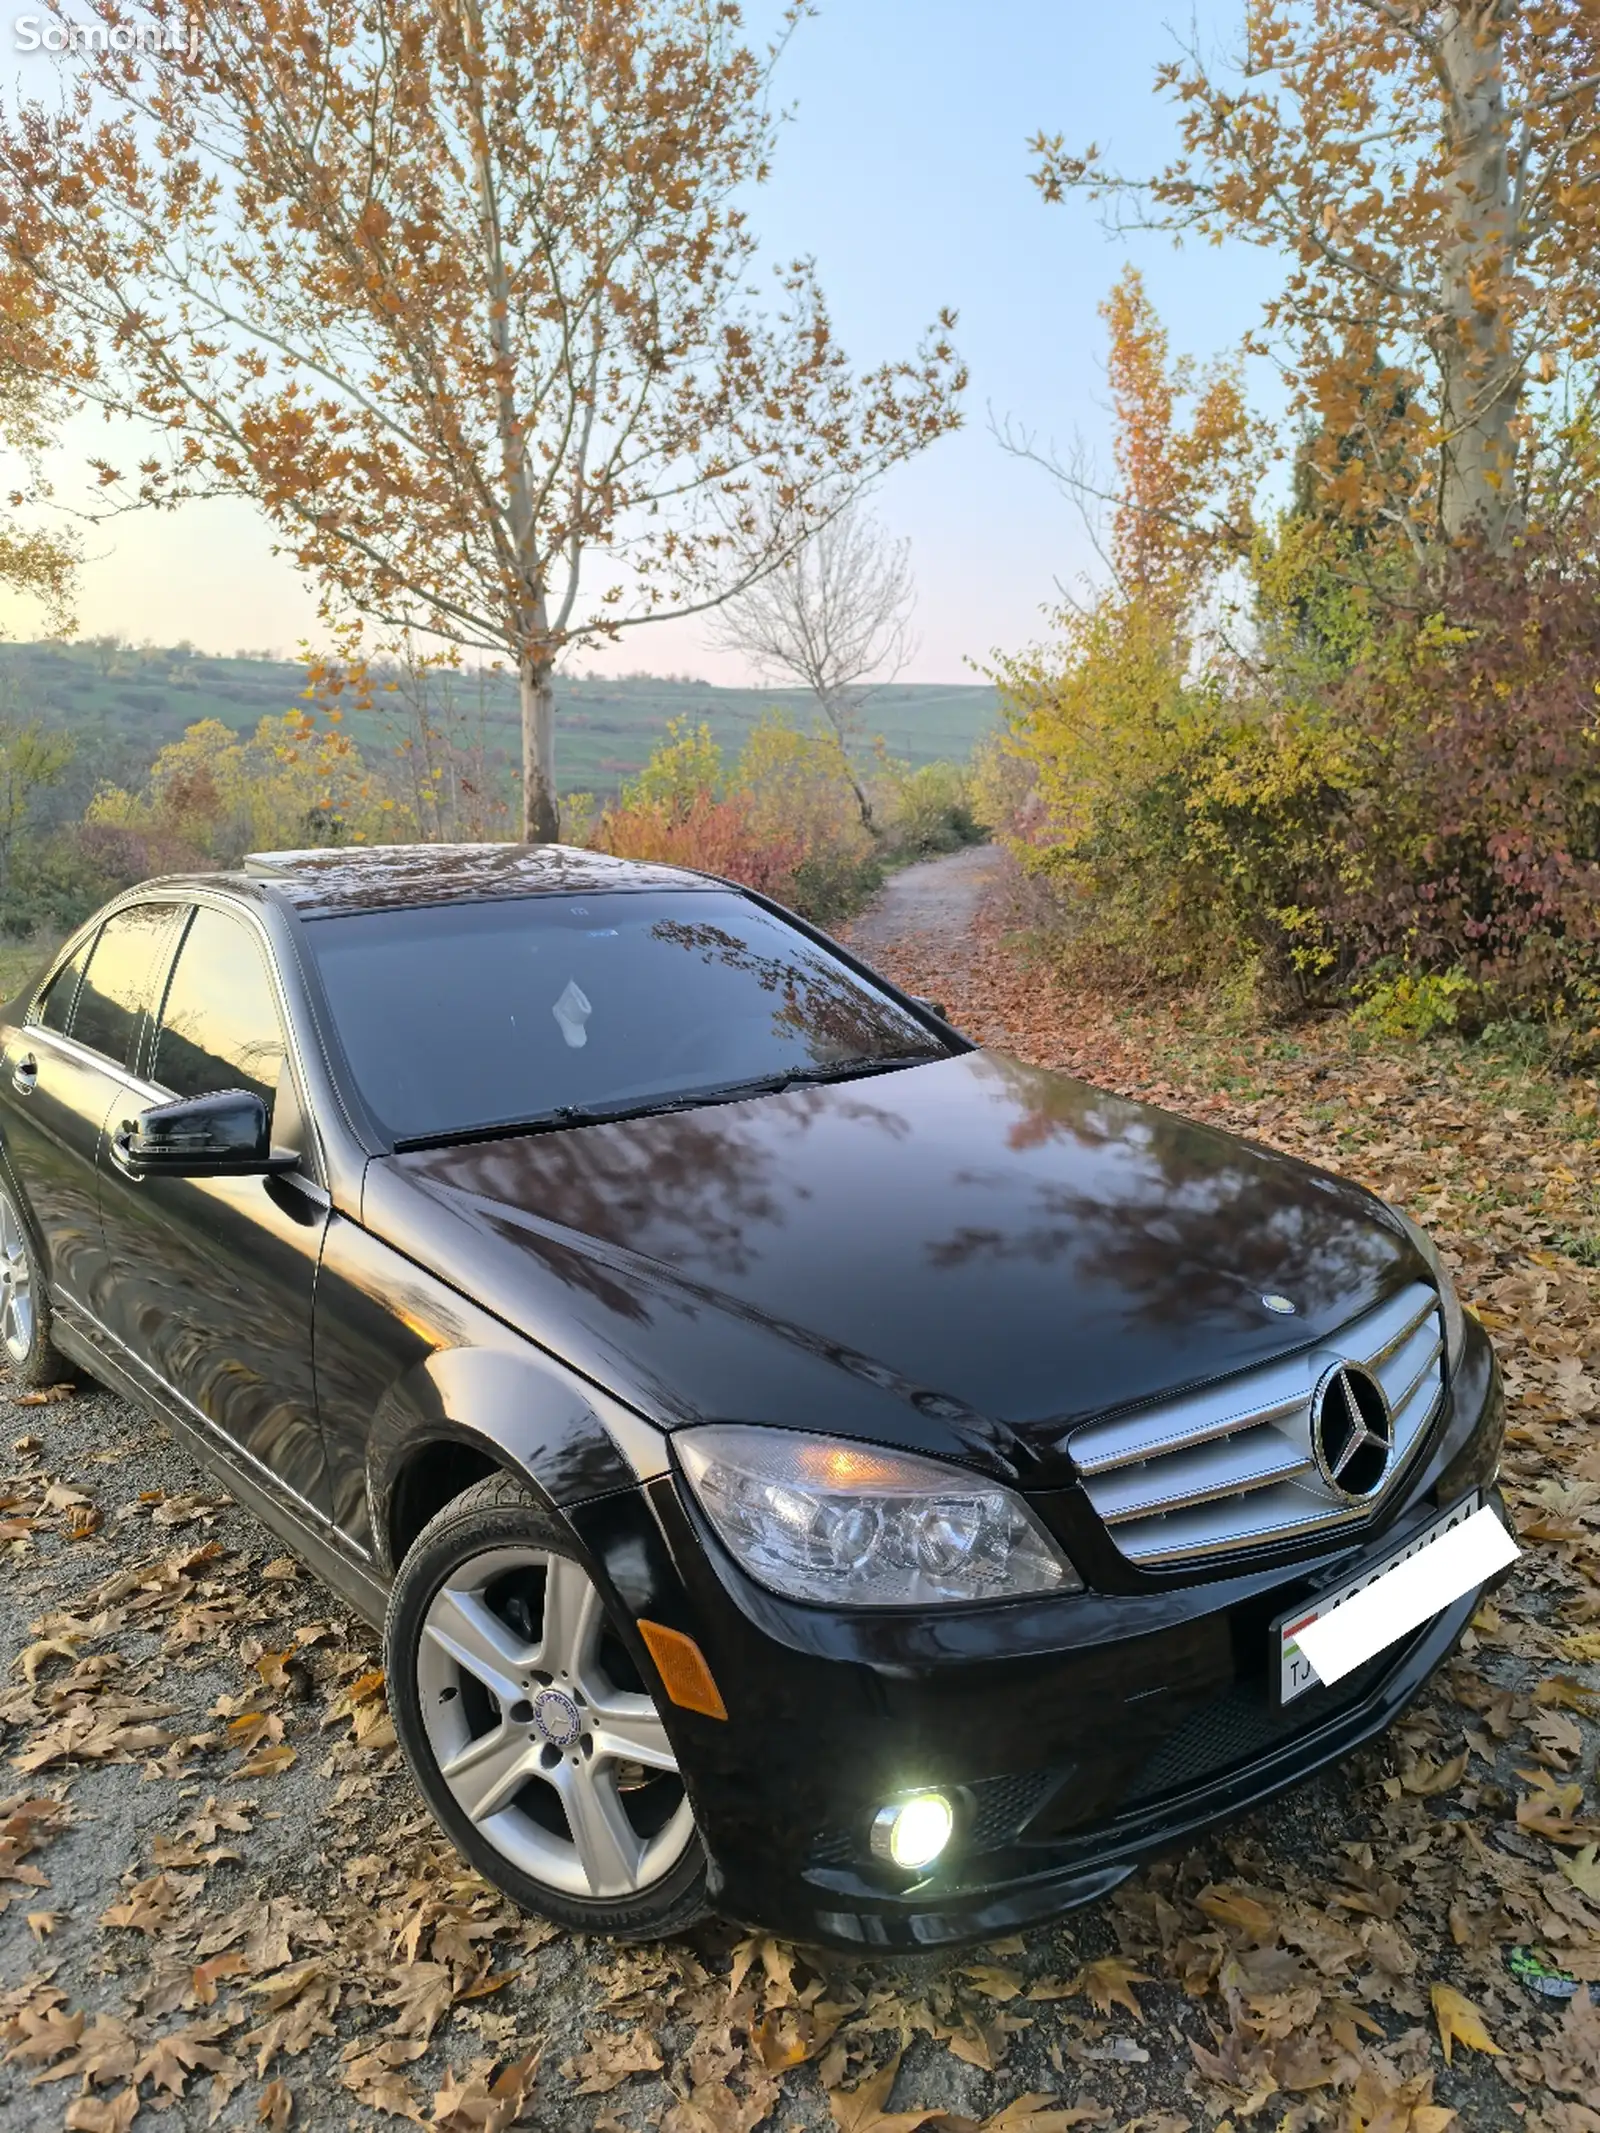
[29, 1354]
[530, 1784]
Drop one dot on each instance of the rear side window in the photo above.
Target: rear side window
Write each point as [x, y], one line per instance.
[219, 1027]
[53, 1008]
[116, 986]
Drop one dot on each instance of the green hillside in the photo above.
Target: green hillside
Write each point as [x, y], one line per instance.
[124, 706]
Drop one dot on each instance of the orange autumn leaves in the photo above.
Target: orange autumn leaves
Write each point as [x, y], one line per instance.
[1426, 176]
[462, 300]
[1183, 503]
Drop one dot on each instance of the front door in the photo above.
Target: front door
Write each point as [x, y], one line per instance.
[213, 1278]
[59, 1079]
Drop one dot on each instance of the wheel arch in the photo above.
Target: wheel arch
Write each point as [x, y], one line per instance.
[463, 1413]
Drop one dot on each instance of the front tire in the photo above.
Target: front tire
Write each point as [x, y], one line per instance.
[32, 1357]
[531, 1735]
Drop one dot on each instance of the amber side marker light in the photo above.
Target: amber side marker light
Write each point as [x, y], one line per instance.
[683, 1670]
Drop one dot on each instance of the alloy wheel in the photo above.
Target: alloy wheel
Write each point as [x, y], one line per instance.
[543, 1731]
[16, 1286]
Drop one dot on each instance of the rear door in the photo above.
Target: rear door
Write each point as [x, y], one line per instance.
[214, 1277]
[60, 1076]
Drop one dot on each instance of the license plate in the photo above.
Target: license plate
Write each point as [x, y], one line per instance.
[1296, 1674]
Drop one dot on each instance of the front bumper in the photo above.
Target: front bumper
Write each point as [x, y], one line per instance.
[1080, 1735]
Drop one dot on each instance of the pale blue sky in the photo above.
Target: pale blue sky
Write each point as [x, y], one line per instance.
[905, 171]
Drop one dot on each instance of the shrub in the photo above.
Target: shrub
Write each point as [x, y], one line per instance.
[1417, 1005]
[1475, 839]
[580, 816]
[714, 836]
[1418, 800]
[1181, 829]
[931, 810]
[797, 786]
[59, 880]
[1004, 790]
[222, 794]
[684, 769]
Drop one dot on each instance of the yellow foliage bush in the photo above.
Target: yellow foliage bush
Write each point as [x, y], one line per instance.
[288, 784]
[930, 809]
[1179, 824]
[784, 818]
[797, 786]
[682, 770]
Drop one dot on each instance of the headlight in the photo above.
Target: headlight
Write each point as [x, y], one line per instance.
[852, 1526]
[1455, 1320]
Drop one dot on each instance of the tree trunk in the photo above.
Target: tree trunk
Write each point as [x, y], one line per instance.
[1480, 370]
[541, 818]
[541, 821]
[839, 718]
[862, 802]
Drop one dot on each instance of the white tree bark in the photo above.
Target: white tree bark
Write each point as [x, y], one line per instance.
[1481, 372]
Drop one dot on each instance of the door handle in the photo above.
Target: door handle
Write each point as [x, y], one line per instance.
[25, 1075]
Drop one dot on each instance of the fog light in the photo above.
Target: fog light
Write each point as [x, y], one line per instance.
[912, 1833]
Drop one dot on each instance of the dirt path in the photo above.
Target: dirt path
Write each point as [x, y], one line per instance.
[937, 899]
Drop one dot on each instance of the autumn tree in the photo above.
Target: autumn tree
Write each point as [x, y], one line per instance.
[1100, 714]
[464, 296]
[1179, 508]
[1430, 172]
[35, 561]
[836, 618]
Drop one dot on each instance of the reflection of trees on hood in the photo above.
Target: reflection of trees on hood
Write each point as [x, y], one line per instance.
[700, 1185]
[712, 1179]
[708, 1186]
[1196, 1218]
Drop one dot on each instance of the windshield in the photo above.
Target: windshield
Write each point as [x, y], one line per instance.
[468, 1016]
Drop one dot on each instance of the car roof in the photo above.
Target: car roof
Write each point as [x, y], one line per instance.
[333, 882]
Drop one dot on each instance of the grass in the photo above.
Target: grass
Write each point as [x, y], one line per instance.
[606, 726]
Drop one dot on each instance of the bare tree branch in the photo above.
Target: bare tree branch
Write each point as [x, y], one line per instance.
[836, 618]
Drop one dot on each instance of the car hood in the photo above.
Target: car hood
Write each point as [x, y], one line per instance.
[968, 1256]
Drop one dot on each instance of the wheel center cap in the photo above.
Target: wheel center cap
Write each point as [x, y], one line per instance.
[555, 1715]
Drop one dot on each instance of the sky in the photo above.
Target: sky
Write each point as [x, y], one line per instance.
[904, 172]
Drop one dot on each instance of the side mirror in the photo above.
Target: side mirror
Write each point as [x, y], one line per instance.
[228, 1135]
[934, 1007]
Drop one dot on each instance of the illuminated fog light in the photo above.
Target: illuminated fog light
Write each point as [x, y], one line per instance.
[912, 1833]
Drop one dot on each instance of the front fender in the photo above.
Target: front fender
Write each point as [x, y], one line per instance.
[518, 1408]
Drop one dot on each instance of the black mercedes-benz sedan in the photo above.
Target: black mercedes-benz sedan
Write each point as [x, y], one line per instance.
[805, 1466]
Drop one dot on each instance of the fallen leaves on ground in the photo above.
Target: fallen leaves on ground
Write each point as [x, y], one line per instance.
[609, 2059]
[1459, 2022]
[863, 2109]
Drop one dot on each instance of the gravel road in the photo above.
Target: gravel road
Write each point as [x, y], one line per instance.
[935, 898]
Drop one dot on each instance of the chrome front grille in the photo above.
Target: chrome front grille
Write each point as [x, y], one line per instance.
[1232, 1467]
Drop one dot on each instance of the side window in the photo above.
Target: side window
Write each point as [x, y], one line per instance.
[116, 986]
[53, 1008]
[219, 1027]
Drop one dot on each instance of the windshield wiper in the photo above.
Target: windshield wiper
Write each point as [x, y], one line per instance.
[732, 1092]
[724, 1092]
[852, 1069]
